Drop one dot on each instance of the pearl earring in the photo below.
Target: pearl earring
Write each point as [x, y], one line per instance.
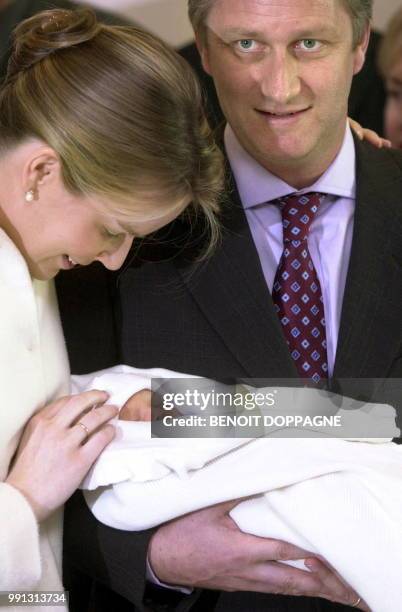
[29, 196]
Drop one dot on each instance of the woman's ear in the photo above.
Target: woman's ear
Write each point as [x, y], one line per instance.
[41, 169]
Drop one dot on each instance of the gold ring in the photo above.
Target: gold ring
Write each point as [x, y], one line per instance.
[356, 603]
[85, 428]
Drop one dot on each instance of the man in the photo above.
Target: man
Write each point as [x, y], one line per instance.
[283, 72]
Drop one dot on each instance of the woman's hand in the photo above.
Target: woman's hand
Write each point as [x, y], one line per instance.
[369, 135]
[56, 451]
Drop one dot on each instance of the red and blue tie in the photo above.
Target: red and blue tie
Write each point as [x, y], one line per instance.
[297, 291]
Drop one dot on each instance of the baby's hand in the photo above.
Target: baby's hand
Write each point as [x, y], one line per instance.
[137, 407]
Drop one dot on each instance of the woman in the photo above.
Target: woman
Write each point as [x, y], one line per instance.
[102, 138]
[390, 61]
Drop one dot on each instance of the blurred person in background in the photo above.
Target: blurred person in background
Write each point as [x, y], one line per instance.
[390, 62]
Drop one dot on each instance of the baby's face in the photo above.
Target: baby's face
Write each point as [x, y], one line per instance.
[137, 407]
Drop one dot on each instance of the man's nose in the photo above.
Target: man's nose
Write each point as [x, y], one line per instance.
[113, 259]
[280, 78]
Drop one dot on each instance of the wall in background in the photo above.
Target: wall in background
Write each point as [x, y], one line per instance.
[168, 18]
[383, 10]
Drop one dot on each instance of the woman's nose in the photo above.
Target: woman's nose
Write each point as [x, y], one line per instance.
[114, 259]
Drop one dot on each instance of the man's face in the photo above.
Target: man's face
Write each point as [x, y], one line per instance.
[283, 71]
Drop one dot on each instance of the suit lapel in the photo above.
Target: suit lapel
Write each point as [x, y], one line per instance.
[231, 291]
[370, 331]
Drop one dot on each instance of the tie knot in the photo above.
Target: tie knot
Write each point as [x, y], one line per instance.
[298, 211]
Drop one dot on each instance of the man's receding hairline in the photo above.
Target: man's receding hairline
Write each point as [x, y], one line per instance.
[360, 12]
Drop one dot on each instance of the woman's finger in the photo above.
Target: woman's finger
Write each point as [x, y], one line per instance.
[357, 128]
[49, 411]
[77, 405]
[369, 135]
[95, 444]
[91, 421]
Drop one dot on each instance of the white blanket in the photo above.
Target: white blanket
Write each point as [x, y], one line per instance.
[338, 499]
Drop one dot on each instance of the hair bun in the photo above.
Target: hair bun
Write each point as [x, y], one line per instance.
[48, 31]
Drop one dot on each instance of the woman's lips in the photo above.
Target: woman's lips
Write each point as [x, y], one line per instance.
[67, 263]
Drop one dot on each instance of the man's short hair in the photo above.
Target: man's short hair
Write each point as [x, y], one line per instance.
[361, 12]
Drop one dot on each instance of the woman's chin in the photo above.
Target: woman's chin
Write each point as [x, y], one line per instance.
[43, 273]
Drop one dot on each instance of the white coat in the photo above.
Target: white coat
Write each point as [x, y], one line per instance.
[33, 371]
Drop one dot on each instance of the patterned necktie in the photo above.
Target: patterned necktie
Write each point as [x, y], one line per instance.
[297, 291]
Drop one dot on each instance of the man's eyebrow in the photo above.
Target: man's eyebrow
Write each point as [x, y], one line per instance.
[239, 33]
[243, 33]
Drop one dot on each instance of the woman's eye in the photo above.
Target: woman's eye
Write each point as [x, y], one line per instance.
[112, 235]
[246, 44]
[308, 44]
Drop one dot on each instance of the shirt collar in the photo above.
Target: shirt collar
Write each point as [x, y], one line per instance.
[257, 185]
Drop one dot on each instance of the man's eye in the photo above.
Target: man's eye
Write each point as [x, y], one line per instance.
[246, 44]
[308, 44]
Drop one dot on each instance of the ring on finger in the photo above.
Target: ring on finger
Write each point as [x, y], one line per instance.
[85, 428]
[357, 603]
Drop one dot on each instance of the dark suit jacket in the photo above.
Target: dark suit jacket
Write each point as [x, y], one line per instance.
[217, 319]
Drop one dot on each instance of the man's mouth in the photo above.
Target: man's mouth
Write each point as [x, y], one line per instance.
[283, 115]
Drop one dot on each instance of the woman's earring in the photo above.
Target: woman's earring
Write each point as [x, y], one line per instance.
[29, 196]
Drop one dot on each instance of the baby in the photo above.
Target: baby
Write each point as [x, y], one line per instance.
[339, 499]
[137, 407]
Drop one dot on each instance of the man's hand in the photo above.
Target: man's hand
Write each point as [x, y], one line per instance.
[206, 549]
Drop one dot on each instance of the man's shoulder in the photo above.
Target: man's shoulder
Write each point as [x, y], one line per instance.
[396, 156]
[379, 182]
[384, 161]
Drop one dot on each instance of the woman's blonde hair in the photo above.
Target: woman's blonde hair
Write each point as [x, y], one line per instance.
[391, 45]
[122, 110]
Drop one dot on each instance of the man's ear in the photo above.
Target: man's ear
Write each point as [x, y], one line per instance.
[360, 51]
[202, 46]
[41, 168]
